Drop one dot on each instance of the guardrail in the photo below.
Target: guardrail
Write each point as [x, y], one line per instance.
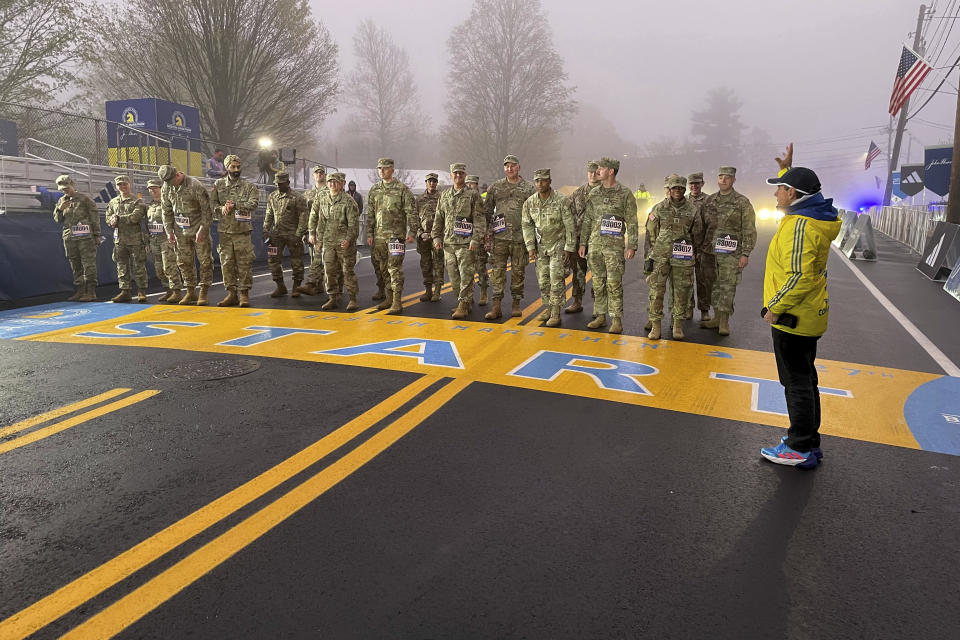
[911, 225]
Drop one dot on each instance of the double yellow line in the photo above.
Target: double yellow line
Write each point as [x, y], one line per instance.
[161, 588]
[73, 421]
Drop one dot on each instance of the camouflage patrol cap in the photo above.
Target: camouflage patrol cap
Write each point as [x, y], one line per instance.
[432, 176]
[592, 165]
[384, 162]
[167, 172]
[154, 182]
[541, 174]
[727, 171]
[675, 180]
[319, 168]
[121, 180]
[695, 177]
[511, 158]
[473, 179]
[230, 159]
[458, 166]
[609, 163]
[64, 179]
[281, 176]
[336, 176]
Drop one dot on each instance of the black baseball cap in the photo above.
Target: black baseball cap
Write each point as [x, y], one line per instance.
[804, 180]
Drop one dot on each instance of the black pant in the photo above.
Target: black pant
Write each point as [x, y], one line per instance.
[798, 375]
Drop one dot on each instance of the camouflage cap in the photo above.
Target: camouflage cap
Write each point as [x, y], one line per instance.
[511, 158]
[432, 176]
[384, 162]
[336, 176]
[675, 180]
[695, 177]
[154, 182]
[281, 176]
[458, 166]
[230, 159]
[609, 163]
[727, 171]
[167, 172]
[319, 168]
[541, 174]
[121, 180]
[474, 179]
[592, 165]
[64, 179]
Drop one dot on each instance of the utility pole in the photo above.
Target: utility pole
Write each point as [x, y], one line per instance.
[895, 153]
[953, 196]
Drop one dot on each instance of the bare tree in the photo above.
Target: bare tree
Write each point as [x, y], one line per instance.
[718, 125]
[252, 67]
[517, 101]
[381, 91]
[40, 40]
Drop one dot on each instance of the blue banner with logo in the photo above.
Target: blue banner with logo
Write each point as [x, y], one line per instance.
[896, 186]
[937, 163]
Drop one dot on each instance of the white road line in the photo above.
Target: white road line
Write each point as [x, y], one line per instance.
[939, 356]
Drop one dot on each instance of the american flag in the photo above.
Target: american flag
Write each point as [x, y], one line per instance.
[910, 73]
[872, 153]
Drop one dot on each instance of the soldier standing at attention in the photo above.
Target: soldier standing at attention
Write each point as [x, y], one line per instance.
[473, 182]
[733, 236]
[81, 235]
[502, 206]
[284, 226]
[611, 211]
[187, 218]
[578, 265]
[234, 200]
[431, 260]
[390, 203]
[337, 228]
[125, 214]
[459, 228]
[549, 232]
[705, 262]
[164, 254]
[315, 278]
[672, 227]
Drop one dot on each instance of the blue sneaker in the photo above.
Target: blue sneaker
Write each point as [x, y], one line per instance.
[817, 451]
[782, 454]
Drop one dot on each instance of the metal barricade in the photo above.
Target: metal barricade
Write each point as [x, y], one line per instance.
[910, 225]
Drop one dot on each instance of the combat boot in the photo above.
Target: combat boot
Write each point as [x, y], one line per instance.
[649, 325]
[202, 295]
[427, 294]
[616, 325]
[244, 298]
[141, 296]
[461, 311]
[76, 294]
[308, 289]
[654, 330]
[379, 295]
[190, 296]
[678, 329]
[515, 311]
[575, 307]
[231, 299]
[483, 297]
[89, 293]
[713, 323]
[123, 296]
[397, 306]
[332, 303]
[281, 290]
[545, 314]
[387, 300]
[554, 319]
[436, 292]
[296, 289]
[352, 305]
[495, 312]
[599, 321]
[704, 316]
[173, 298]
[724, 324]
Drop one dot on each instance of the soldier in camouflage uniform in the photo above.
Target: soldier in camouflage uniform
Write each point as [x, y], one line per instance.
[459, 228]
[234, 201]
[673, 227]
[502, 207]
[314, 283]
[335, 229]
[393, 223]
[611, 211]
[284, 226]
[705, 262]
[431, 259]
[187, 219]
[164, 254]
[549, 233]
[125, 215]
[578, 265]
[733, 234]
[81, 235]
[483, 279]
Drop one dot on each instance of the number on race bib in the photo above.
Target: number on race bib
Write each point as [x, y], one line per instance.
[182, 221]
[611, 226]
[682, 250]
[80, 231]
[243, 217]
[397, 247]
[726, 244]
[499, 223]
[462, 227]
[272, 250]
[155, 228]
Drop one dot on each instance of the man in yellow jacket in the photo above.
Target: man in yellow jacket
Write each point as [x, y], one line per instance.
[797, 306]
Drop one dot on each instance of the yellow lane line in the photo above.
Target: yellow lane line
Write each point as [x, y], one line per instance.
[158, 590]
[91, 584]
[63, 425]
[447, 288]
[62, 411]
[533, 308]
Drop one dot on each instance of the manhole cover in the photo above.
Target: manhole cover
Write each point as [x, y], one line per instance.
[210, 369]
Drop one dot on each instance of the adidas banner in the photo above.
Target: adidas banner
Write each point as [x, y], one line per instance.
[911, 179]
[941, 253]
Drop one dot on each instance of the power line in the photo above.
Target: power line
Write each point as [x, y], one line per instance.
[927, 101]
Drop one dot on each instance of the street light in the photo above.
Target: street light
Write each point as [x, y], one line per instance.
[265, 143]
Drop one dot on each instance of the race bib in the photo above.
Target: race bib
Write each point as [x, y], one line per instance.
[155, 228]
[80, 231]
[611, 226]
[726, 244]
[682, 250]
[272, 250]
[182, 221]
[397, 247]
[462, 227]
[242, 217]
[499, 223]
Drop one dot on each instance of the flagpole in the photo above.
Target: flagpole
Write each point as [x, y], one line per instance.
[902, 121]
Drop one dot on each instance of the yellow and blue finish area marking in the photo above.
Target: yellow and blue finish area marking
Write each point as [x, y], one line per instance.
[876, 404]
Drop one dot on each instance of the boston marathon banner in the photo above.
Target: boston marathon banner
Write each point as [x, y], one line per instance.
[162, 122]
[937, 162]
